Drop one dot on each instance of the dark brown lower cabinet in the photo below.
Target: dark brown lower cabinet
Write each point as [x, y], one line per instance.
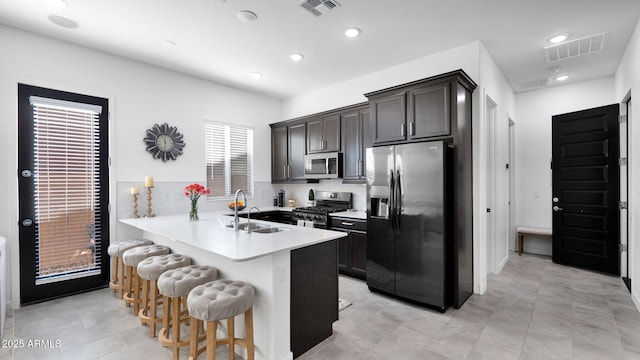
[314, 295]
[352, 250]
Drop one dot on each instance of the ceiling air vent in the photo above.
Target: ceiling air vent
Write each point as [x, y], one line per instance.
[573, 48]
[533, 84]
[318, 7]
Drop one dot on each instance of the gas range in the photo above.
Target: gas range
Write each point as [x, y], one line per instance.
[326, 202]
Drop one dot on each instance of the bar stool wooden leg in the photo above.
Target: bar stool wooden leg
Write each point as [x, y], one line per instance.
[175, 331]
[114, 274]
[212, 327]
[153, 291]
[143, 300]
[166, 312]
[136, 291]
[248, 326]
[120, 271]
[231, 333]
[128, 295]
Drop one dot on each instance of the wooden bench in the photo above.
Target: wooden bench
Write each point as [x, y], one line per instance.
[530, 231]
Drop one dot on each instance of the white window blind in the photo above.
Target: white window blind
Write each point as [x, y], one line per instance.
[67, 188]
[229, 157]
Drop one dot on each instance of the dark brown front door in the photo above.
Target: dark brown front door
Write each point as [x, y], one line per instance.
[586, 189]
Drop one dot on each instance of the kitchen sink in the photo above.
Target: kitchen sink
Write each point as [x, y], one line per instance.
[258, 228]
[243, 226]
[269, 230]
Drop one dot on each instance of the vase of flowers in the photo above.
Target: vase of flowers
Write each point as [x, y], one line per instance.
[193, 192]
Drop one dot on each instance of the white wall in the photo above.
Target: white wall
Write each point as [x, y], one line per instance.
[140, 95]
[496, 249]
[533, 147]
[352, 91]
[627, 79]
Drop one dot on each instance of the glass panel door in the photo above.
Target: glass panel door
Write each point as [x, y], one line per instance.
[63, 193]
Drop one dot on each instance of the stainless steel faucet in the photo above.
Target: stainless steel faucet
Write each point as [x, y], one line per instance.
[249, 219]
[236, 222]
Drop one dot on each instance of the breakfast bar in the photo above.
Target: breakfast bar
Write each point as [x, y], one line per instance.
[262, 258]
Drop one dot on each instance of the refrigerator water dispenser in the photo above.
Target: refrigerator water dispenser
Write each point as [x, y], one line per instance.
[380, 207]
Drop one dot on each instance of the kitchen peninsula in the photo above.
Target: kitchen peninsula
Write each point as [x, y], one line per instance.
[274, 262]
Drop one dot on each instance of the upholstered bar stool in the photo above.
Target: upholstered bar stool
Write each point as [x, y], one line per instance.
[219, 300]
[174, 286]
[115, 251]
[131, 258]
[149, 270]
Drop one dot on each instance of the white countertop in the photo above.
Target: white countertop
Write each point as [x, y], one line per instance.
[210, 234]
[361, 215]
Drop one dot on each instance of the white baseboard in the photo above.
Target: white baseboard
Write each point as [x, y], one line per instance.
[480, 289]
[636, 300]
[502, 264]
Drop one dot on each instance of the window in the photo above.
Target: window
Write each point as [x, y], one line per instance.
[66, 177]
[229, 159]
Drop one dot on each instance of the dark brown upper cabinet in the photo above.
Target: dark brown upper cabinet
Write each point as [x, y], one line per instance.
[413, 113]
[288, 143]
[428, 112]
[279, 153]
[356, 137]
[389, 116]
[323, 134]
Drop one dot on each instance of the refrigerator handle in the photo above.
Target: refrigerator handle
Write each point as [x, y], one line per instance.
[398, 199]
[391, 204]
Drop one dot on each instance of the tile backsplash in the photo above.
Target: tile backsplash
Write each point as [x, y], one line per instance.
[300, 192]
[168, 197]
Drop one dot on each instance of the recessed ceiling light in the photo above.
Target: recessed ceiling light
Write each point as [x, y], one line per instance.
[63, 21]
[57, 4]
[562, 77]
[352, 32]
[558, 38]
[247, 16]
[256, 75]
[296, 57]
[170, 43]
[554, 69]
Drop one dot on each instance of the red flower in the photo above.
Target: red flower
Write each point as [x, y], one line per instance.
[194, 191]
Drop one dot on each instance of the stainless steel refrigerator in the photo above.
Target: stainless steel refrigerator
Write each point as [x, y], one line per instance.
[408, 225]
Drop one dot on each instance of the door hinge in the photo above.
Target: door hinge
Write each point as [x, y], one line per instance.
[623, 205]
[109, 208]
[622, 247]
[622, 119]
[622, 161]
[109, 161]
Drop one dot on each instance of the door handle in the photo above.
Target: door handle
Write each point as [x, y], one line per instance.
[391, 212]
[398, 199]
[557, 208]
[27, 222]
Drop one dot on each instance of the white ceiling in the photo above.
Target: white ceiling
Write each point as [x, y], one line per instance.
[212, 43]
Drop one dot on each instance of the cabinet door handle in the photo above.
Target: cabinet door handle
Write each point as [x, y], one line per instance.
[403, 129]
[347, 223]
[321, 145]
[412, 129]
[284, 171]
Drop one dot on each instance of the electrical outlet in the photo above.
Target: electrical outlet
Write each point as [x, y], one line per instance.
[281, 274]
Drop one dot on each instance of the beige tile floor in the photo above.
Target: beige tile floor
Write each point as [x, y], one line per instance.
[534, 309]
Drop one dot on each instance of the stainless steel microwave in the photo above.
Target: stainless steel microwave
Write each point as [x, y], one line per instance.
[323, 166]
